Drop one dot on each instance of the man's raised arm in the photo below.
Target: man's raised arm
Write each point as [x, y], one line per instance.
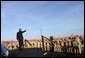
[23, 31]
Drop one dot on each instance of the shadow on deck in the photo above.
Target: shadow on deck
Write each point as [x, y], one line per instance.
[37, 52]
[26, 52]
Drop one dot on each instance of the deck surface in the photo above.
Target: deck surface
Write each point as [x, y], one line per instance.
[37, 52]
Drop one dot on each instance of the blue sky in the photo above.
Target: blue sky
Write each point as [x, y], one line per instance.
[56, 18]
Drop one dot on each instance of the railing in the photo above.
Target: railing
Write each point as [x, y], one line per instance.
[47, 45]
[28, 43]
[32, 44]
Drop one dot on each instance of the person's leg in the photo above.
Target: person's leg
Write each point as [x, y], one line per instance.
[76, 49]
[67, 49]
[73, 50]
[21, 43]
[61, 49]
[70, 49]
[79, 50]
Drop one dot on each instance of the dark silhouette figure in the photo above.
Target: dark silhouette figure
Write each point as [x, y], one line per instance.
[65, 47]
[51, 44]
[20, 38]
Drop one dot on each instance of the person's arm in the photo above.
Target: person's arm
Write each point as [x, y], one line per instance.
[23, 31]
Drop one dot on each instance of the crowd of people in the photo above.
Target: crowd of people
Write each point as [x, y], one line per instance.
[71, 44]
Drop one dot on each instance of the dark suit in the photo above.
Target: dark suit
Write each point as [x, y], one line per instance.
[20, 38]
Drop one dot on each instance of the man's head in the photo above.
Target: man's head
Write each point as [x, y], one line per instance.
[20, 29]
[51, 37]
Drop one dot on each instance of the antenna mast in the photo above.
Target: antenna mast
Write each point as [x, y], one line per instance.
[41, 31]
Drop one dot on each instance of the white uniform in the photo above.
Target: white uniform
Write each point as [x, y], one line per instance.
[79, 45]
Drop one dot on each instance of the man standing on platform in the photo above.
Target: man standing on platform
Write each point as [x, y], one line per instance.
[20, 38]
